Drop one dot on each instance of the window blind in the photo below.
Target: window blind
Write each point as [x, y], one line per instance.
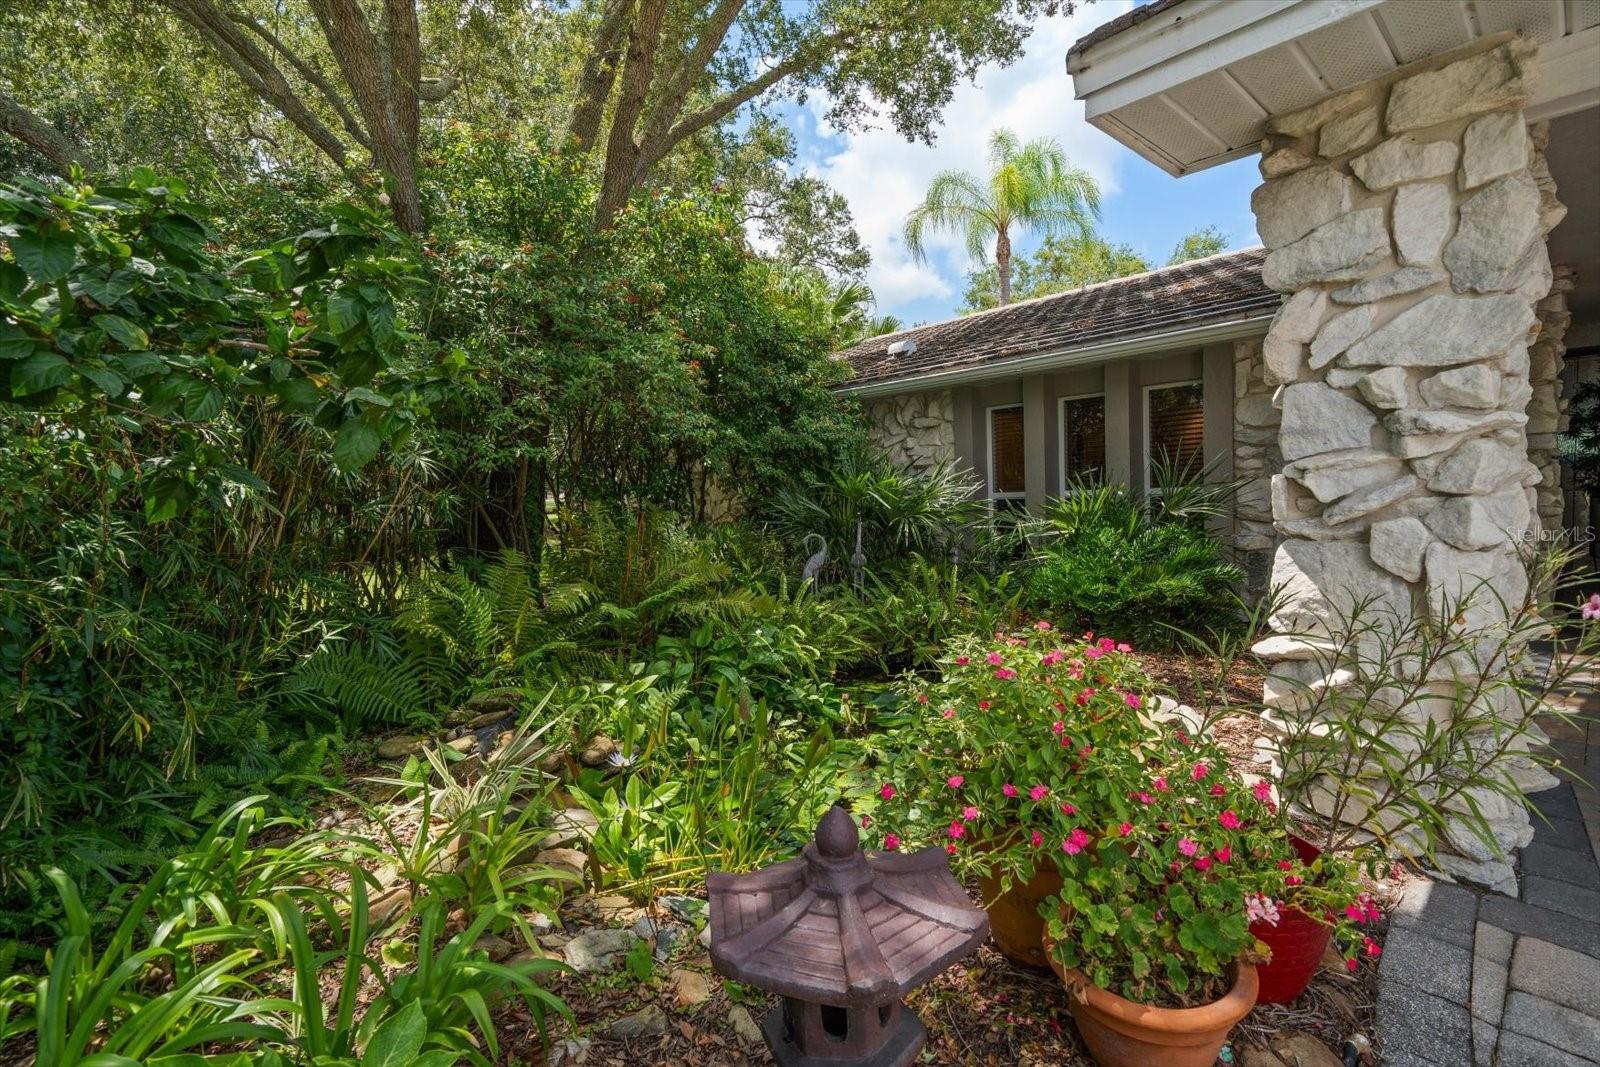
[1177, 429]
[1083, 435]
[1005, 451]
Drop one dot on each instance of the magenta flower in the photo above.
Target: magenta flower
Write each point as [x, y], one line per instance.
[1042, 624]
[1038, 793]
[1131, 699]
[866, 821]
[1263, 790]
[956, 831]
[890, 842]
[1145, 798]
[955, 781]
[1202, 863]
[1093, 653]
[1159, 784]
[995, 659]
[948, 713]
[1218, 790]
[1058, 727]
[887, 792]
[1068, 809]
[1083, 697]
[1225, 853]
[1051, 658]
[969, 813]
[1005, 674]
[962, 661]
[1200, 771]
[1075, 842]
[1188, 847]
[1038, 839]
[1125, 829]
[1591, 607]
[1229, 820]
[1009, 790]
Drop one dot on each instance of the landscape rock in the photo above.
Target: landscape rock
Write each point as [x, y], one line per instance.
[1492, 147]
[1399, 546]
[689, 988]
[1336, 474]
[1317, 418]
[1385, 388]
[1349, 132]
[466, 744]
[571, 825]
[569, 1052]
[1497, 226]
[598, 752]
[1376, 498]
[400, 747]
[1405, 159]
[1474, 386]
[1489, 81]
[1289, 208]
[387, 907]
[566, 859]
[1303, 1050]
[1482, 521]
[1253, 1056]
[1323, 580]
[1443, 330]
[744, 1026]
[599, 950]
[647, 1022]
[1396, 282]
[1480, 465]
[1339, 251]
[1421, 222]
[1339, 333]
[497, 948]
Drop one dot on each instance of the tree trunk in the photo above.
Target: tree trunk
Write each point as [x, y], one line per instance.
[622, 148]
[1002, 266]
[33, 131]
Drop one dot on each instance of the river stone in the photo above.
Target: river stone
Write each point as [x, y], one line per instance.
[1339, 333]
[1421, 222]
[1289, 208]
[1317, 419]
[647, 1022]
[1480, 465]
[1365, 502]
[1336, 474]
[1398, 546]
[1339, 251]
[1444, 330]
[598, 950]
[1497, 225]
[1385, 388]
[1472, 386]
[1488, 81]
[1493, 146]
[1405, 159]
[1322, 581]
[1349, 132]
[1481, 521]
[1395, 283]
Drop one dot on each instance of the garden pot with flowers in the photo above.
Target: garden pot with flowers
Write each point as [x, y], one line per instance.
[1298, 912]
[1000, 762]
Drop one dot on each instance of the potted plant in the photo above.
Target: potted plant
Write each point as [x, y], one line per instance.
[1001, 765]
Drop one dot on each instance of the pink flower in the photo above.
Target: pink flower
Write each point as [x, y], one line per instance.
[1200, 771]
[1202, 863]
[890, 842]
[1261, 908]
[1075, 842]
[995, 659]
[1131, 699]
[1354, 914]
[950, 849]
[1084, 696]
[1263, 790]
[1145, 798]
[1005, 674]
[1293, 879]
[1051, 658]
[1042, 624]
[983, 705]
[1229, 820]
[1218, 790]
[1068, 809]
[887, 791]
[1350, 965]
[1188, 847]
[1373, 948]
[1124, 647]
[922, 698]
[1038, 793]
[969, 813]
[1159, 784]
[1125, 829]
[1058, 727]
[866, 821]
[1224, 854]
[1591, 607]
[948, 713]
[1093, 653]
[962, 661]
[955, 781]
[1285, 865]
[1105, 644]
[956, 831]
[1038, 839]
[1009, 790]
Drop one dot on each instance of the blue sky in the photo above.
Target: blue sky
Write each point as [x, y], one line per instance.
[882, 175]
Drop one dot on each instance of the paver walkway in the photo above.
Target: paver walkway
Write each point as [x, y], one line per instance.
[1485, 980]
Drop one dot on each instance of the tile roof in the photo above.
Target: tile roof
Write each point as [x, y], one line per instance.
[1124, 21]
[1209, 291]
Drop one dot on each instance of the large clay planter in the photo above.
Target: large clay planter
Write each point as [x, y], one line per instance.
[1297, 944]
[1014, 919]
[1121, 1033]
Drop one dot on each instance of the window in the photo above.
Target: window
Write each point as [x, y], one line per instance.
[1083, 439]
[1007, 480]
[1174, 429]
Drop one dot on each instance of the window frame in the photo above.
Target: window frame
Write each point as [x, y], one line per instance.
[1061, 433]
[1146, 463]
[989, 486]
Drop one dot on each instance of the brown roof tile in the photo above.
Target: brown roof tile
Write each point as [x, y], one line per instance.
[1207, 291]
[1124, 21]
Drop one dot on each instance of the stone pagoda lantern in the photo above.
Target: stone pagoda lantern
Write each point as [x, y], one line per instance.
[842, 936]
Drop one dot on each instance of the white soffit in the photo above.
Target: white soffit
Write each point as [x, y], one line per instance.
[1192, 86]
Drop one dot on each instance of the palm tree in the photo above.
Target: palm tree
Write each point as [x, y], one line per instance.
[1029, 185]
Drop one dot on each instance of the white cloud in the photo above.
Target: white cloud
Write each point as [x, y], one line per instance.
[883, 175]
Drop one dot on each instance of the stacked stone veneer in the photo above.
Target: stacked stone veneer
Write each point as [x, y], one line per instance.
[1256, 460]
[1405, 222]
[1547, 409]
[916, 431]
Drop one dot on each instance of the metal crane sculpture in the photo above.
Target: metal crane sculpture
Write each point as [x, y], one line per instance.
[858, 562]
[819, 559]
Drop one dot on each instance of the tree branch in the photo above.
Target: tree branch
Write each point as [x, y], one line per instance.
[62, 151]
[622, 151]
[599, 72]
[689, 69]
[311, 75]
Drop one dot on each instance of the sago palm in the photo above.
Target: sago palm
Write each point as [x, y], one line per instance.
[1031, 186]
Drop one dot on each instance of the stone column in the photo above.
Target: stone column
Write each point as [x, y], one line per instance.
[1257, 459]
[1405, 222]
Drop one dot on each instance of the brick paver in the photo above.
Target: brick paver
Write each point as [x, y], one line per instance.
[1523, 981]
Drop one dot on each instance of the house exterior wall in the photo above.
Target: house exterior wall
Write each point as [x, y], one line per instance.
[1406, 224]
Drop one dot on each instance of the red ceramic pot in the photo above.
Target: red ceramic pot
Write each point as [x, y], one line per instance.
[1297, 944]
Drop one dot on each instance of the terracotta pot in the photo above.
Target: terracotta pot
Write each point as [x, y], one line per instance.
[1014, 920]
[1121, 1033]
[1297, 944]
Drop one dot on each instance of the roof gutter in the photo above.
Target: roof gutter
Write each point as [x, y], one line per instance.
[1056, 359]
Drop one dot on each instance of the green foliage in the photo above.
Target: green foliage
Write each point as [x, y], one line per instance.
[1198, 245]
[1060, 264]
